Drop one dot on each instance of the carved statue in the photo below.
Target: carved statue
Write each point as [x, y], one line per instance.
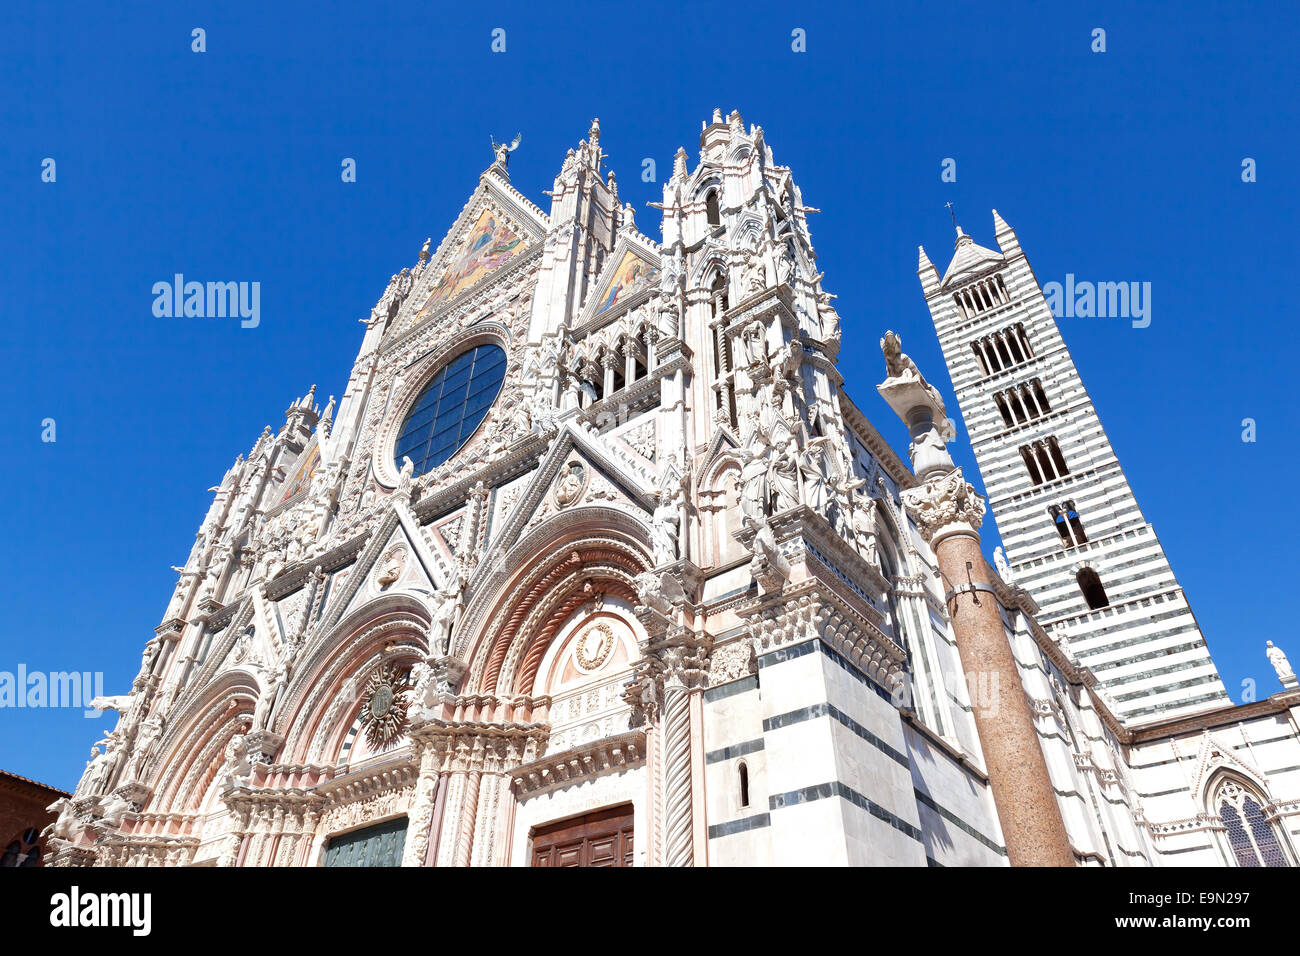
[768, 564]
[755, 489]
[449, 602]
[113, 808]
[864, 527]
[817, 474]
[503, 151]
[405, 480]
[424, 684]
[1277, 657]
[62, 827]
[271, 693]
[659, 591]
[664, 529]
[785, 265]
[392, 568]
[120, 703]
[237, 767]
[521, 419]
[753, 345]
[1004, 568]
[150, 733]
[783, 473]
[568, 487]
[99, 772]
[755, 276]
[897, 362]
[542, 415]
[830, 324]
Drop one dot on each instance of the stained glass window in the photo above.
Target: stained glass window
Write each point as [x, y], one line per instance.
[1252, 839]
[451, 407]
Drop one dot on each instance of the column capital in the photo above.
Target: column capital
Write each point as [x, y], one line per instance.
[944, 506]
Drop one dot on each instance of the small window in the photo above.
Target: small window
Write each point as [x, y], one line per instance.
[718, 293]
[23, 851]
[1068, 525]
[711, 208]
[1044, 461]
[744, 784]
[1093, 592]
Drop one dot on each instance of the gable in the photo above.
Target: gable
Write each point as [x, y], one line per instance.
[627, 273]
[575, 473]
[495, 229]
[490, 244]
[399, 559]
[300, 474]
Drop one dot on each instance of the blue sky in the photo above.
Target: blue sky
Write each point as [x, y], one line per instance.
[225, 165]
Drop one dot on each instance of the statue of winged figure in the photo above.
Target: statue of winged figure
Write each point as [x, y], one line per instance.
[503, 151]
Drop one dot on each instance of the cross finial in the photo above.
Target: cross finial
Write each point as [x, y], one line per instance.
[952, 212]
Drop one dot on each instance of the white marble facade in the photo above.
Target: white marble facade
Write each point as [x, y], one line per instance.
[669, 572]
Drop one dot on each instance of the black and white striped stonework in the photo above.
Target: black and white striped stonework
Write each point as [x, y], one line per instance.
[1073, 533]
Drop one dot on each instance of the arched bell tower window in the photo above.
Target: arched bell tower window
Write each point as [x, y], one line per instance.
[711, 210]
[1252, 840]
[744, 784]
[1093, 592]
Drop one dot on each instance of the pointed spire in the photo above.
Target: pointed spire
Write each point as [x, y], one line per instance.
[925, 269]
[679, 163]
[1005, 235]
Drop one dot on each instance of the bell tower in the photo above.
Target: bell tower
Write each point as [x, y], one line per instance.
[1074, 535]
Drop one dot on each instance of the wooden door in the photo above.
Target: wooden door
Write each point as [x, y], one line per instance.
[603, 838]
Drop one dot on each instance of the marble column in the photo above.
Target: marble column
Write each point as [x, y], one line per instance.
[949, 512]
[679, 836]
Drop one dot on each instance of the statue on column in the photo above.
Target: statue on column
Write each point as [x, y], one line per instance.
[899, 366]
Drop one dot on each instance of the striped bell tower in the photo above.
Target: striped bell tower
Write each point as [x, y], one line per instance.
[1074, 535]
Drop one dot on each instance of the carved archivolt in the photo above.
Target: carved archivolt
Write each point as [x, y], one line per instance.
[336, 672]
[532, 610]
[508, 589]
[197, 736]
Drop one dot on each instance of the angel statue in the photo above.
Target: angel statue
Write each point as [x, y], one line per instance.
[503, 151]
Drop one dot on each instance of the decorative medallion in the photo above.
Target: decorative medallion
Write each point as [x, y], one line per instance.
[593, 648]
[383, 714]
[570, 483]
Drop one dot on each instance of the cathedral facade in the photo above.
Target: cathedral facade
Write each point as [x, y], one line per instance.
[594, 562]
